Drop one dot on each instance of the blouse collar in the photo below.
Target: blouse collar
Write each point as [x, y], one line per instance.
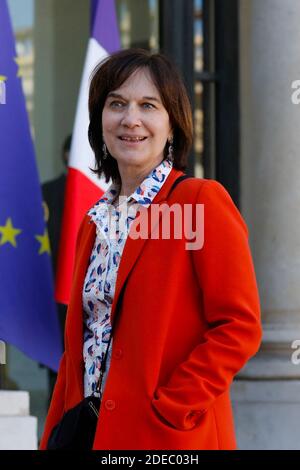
[143, 194]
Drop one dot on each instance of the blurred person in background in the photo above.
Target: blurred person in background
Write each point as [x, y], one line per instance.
[53, 198]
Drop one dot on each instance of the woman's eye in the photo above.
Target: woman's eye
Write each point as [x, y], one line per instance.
[148, 105]
[119, 104]
[116, 104]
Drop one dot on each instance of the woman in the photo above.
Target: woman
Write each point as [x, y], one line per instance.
[185, 320]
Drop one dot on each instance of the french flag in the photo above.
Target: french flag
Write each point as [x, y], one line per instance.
[84, 188]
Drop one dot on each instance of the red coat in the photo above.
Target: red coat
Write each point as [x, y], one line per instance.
[188, 322]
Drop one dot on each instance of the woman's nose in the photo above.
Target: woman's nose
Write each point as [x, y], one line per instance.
[131, 117]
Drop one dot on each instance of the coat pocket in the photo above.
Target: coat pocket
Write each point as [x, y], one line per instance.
[202, 436]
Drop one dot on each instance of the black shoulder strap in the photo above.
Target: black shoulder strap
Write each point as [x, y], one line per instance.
[178, 180]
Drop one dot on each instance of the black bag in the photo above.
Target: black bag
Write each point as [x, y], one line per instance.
[76, 430]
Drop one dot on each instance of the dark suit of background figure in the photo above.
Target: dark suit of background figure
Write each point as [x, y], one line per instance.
[53, 195]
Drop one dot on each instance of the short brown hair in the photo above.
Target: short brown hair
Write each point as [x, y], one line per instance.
[110, 74]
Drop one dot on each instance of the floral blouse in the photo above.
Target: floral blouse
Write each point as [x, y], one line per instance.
[113, 217]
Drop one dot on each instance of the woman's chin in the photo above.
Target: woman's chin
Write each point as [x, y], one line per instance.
[131, 158]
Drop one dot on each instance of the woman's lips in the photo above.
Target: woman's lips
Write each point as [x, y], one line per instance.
[129, 141]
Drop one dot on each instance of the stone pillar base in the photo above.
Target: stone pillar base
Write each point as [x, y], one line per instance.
[267, 414]
[18, 430]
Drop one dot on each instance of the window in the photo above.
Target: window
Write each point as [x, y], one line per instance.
[201, 36]
[138, 23]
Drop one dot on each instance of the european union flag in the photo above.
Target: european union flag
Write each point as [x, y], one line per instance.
[28, 316]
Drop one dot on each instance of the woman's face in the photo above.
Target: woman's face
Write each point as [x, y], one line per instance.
[135, 123]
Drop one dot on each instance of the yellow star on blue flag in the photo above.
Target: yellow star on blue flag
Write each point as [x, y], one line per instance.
[45, 243]
[9, 233]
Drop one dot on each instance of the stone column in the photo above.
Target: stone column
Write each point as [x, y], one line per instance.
[266, 394]
[61, 35]
[140, 24]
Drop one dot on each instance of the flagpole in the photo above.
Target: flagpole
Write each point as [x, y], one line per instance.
[2, 362]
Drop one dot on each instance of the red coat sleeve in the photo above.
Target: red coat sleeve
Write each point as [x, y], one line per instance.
[226, 277]
[57, 405]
